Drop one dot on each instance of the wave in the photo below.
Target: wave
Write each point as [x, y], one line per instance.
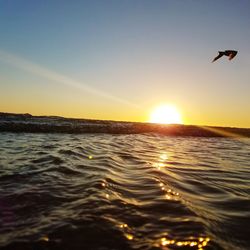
[99, 191]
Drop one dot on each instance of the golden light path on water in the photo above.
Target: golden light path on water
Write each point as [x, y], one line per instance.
[165, 242]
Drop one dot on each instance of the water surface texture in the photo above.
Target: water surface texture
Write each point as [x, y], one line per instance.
[100, 191]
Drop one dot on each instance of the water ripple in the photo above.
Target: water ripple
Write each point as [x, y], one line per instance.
[62, 191]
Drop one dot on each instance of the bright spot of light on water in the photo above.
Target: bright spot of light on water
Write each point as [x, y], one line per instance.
[193, 243]
[200, 244]
[179, 243]
[164, 156]
[159, 165]
[44, 238]
[165, 242]
[204, 243]
[129, 236]
[123, 225]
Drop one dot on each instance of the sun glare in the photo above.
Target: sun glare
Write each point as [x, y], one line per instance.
[166, 114]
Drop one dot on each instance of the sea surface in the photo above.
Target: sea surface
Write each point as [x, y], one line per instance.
[107, 192]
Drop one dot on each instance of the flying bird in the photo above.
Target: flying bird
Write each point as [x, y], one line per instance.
[230, 53]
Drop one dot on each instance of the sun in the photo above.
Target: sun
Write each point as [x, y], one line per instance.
[166, 114]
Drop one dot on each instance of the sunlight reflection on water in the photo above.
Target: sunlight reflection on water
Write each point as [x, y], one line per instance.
[127, 191]
[194, 242]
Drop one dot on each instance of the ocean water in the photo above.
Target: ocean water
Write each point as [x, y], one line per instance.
[100, 191]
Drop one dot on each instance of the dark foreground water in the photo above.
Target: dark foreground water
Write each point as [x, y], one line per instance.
[97, 191]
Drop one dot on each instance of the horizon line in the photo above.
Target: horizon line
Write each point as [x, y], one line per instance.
[144, 122]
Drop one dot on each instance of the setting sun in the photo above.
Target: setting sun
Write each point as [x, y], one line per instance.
[166, 114]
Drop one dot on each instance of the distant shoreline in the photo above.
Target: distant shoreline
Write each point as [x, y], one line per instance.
[17, 123]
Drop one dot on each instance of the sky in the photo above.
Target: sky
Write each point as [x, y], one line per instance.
[118, 60]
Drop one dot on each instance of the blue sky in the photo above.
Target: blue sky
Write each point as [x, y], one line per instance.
[129, 56]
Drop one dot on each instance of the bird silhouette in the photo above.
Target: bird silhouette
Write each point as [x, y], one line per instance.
[230, 53]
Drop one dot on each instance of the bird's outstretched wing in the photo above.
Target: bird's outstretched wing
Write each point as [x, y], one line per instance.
[217, 57]
[232, 55]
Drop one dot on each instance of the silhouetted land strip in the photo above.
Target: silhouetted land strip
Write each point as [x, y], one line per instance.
[52, 124]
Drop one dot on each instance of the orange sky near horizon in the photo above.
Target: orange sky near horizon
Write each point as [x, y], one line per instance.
[120, 61]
